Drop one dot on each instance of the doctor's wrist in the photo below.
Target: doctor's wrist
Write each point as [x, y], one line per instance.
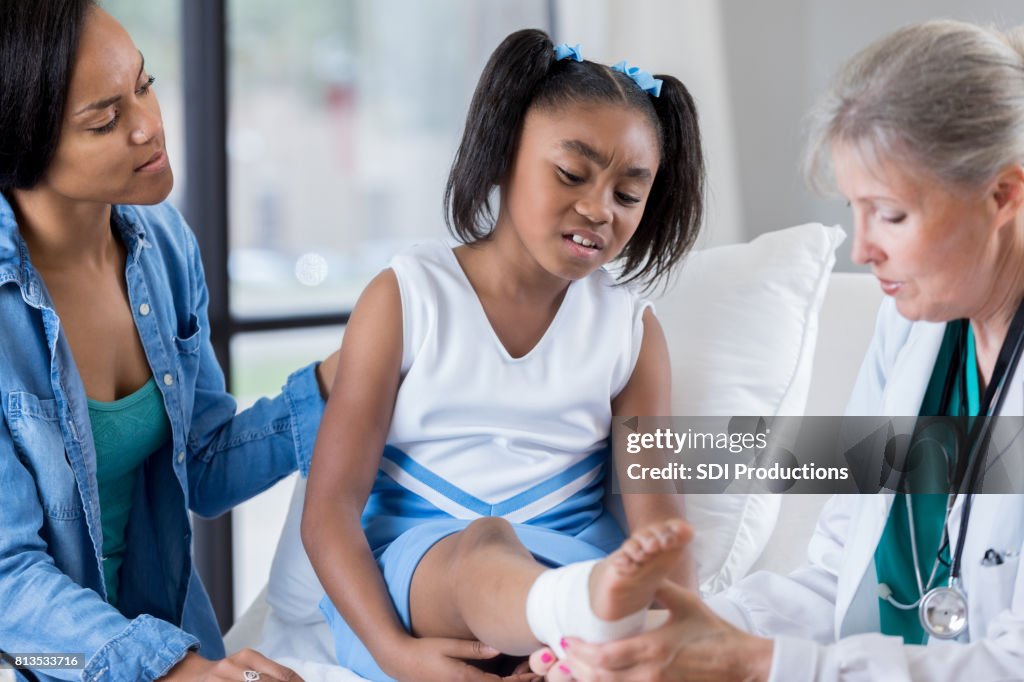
[756, 659]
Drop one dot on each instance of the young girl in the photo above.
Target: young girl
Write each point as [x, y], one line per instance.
[488, 376]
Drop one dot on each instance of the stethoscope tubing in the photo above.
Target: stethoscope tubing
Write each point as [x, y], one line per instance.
[980, 432]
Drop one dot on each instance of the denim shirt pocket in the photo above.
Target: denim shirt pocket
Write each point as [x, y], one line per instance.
[39, 443]
[189, 342]
[187, 349]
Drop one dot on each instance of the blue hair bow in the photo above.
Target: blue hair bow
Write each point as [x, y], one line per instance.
[643, 79]
[567, 51]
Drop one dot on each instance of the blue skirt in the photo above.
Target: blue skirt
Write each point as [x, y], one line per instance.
[401, 527]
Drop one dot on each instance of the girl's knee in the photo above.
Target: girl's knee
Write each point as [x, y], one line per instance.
[489, 530]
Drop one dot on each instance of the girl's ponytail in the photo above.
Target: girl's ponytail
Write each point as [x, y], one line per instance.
[675, 206]
[495, 117]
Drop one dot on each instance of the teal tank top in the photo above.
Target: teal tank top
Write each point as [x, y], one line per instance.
[125, 432]
[894, 563]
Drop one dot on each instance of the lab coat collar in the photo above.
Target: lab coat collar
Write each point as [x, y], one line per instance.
[913, 367]
[908, 381]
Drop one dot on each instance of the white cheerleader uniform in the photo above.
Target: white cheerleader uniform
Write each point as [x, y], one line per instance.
[477, 432]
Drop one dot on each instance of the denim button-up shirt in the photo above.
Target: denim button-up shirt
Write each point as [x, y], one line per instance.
[52, 595]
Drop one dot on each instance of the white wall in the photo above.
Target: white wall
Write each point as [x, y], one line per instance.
[781, 56]
[755, 69]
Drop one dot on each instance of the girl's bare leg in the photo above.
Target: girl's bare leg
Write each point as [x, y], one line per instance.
[474, 584]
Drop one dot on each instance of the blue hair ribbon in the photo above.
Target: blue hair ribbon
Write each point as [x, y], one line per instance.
[643, 79]
[567, 51]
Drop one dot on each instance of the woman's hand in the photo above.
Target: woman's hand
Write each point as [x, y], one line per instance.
[694, 644]
[430, 659]
[195, 668]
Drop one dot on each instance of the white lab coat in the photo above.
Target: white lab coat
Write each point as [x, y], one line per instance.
[824, 618]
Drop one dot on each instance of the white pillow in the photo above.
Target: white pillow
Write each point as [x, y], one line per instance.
[741, 323]
[294, 591]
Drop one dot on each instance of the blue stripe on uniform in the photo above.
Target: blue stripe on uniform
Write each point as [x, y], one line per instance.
[478, 506]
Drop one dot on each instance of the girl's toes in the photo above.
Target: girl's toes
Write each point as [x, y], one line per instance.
[542, 660]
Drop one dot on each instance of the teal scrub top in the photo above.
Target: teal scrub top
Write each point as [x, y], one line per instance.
[893, 556]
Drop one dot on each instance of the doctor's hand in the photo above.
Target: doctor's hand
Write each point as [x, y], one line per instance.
[694, 644]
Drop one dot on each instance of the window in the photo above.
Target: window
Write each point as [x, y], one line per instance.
[344, 118]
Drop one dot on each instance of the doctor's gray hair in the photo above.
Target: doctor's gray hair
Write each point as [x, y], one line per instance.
[946, 98]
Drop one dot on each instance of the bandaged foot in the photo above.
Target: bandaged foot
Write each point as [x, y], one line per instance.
[605, 600]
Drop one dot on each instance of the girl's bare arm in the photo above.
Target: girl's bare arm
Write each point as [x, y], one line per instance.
[649, 394]
[346, 458]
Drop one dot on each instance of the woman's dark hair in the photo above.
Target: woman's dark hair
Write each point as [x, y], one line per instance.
[38, 40]
[523, 73]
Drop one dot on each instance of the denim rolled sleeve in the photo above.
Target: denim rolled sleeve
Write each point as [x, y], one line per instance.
[246, 453]
[146, 650]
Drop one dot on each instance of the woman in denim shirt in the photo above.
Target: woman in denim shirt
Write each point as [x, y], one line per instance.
[101, 293]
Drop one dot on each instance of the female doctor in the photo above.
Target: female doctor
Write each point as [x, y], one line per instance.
[925, 132]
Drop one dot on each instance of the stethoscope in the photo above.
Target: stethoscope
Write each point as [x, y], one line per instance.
[942, 610]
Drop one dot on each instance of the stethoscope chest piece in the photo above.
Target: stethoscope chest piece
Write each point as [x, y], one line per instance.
[943, 612]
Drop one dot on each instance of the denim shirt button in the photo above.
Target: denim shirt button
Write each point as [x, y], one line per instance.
[181, 457]
[168, 380]
[144, 309]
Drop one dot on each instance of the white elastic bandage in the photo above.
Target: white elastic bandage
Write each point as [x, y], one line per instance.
[558, 606]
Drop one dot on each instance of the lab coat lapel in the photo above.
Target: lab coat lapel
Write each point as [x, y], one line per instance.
[1004, 462]
[868, 524]
[954, 521]
[912, 369]
[903, 394]
[1014, 404]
